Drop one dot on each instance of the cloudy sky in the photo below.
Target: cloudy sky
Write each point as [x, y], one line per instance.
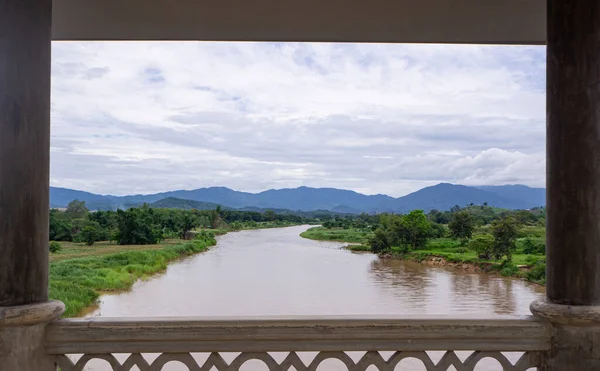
[132, 117]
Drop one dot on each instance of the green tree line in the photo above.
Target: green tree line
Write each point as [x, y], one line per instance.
[490, 232]
[146, 225]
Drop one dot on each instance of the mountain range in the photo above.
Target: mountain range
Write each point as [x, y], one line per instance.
[442, 196]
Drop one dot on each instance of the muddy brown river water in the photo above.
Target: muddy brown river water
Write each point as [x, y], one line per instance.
[276, 272]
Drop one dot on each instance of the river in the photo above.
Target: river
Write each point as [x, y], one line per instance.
[276, 272]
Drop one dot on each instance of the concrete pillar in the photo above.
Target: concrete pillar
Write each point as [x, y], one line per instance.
[573, 186]
[22, 330]
[24, 184]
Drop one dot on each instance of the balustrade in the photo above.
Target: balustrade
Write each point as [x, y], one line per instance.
[282, 343]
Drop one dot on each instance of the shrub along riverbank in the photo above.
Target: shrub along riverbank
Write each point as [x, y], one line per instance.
[443, 251]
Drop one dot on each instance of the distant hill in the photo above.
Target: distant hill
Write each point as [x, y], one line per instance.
[60, 197]
[178, 203]
[305, 199]
[521, 194]
[443, 196]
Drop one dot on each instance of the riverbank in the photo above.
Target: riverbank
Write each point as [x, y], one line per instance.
[528, 267]
[78, 281]
[80, 273]
[441, 252]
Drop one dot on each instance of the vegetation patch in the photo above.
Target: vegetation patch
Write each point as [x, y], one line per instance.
[508, 242]
[358, 248]
[338, 234]
[78, 282]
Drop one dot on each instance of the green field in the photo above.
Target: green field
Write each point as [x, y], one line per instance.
[73, 250]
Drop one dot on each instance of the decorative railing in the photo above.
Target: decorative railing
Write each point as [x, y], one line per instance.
[283, 343]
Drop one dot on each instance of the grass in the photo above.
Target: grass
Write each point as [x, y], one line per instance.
[78, 273]
[360, 248]
[337, 234]
[72, 250]
[529, 267]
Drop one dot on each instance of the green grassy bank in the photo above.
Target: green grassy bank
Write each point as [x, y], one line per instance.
[78, 274]
[527, 266]
[351, 235]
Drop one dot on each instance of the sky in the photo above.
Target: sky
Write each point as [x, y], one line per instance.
[145, 117]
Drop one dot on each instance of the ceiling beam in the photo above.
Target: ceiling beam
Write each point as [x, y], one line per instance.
[387, 21]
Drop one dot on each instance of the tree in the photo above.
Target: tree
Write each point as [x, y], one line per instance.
[525, 217]
[414, 230]
[482, 245]
[328, 224]
[136, 227]
[89, 234]
[461, 226]
[186, 223]
[269, 215]
[435, 216]
[505, 233]
[381, 241]
[215, 217]
[60, 230]
[76, 209]
[437, 230]
[106, 219]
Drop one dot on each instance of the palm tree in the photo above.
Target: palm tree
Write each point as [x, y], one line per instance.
[215, 217]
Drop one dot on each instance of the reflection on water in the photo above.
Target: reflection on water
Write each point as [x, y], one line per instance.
[276, 272]
[438, 290]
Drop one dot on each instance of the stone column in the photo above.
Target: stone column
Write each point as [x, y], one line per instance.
[24, 179]
[22, 330]
[573, 185]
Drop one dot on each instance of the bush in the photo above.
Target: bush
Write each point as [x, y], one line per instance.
[381, 241]
[54, 247]
[482, 245]
[508, 269]
[437, 231]
[89, 234]
[537, 273]
[168, 234]
[532, 260]
[505, 232]
[533, 247]
[461, 226]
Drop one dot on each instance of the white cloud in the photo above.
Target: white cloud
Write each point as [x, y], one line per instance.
[133, 117]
